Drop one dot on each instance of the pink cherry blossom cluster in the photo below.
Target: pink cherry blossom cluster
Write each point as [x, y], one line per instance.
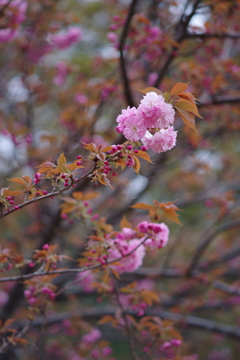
[148, 38]
[14, 15]
[150, 122]
[66, 38]
[158, 234]
[62, 70]
[125, 242]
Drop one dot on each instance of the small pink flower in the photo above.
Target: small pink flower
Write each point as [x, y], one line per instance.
[64, 39]
[134, 129]
[106, 351]
[112, 37]
[164, 140]
[80, 98]
[93, 336]
[147, 140]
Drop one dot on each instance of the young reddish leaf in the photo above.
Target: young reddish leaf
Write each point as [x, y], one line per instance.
[187, 118]
[121, 163]
[187, 105]
[61, 160]
[142, 206]
[106, 319]
[18, 180]
[68, 199]
[150, 89]
[105, 181]
[47, 164]
[78, 195]
[22, 341]
[188, 96]
[137, 164]
[169, 210]
[8, 322]
[7, 192]
[95, 238]
[125, 223]
[178, 88]
[73, 166]
[91, 147]
[106, 148]
[67, 208]
[115, 273]
[144, 155]
[27, 179]
[90, 195]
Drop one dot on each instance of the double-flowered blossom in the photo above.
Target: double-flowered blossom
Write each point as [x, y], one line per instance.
[14, 15]
[158, 234]
[66, 38]
[151, 122]
[124, 244]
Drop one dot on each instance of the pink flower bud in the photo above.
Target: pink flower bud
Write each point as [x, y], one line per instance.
[176, 342]
[106, 351]
[32, 301]
[45, 290]
[143, 227]
[44, 192]
[64, 216]
[79, 157]
[45, 247]
[52, 296]
[31, 264]
[140, 313]
[166, 345]
[16, 207]
[27, 294]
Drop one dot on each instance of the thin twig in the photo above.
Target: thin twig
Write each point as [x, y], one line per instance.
[126, 82]
[49, 195]
[66, 271]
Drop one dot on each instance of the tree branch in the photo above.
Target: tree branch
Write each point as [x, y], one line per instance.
[206, 242]
[126, 83]
[189, 321]
[180, 34]
[215, 35]
[52, 194]
[66, 271]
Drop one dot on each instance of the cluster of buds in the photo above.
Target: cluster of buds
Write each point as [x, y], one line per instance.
[10, 199]
[168, 344]
[139, 308]
[30, 295]
[37, 178]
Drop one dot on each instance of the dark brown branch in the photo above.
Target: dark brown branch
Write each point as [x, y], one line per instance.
[221, 102]
[180, 34]
[206, 242]
[126, 83]
[215, 35]
[218, 262]
[189, 321]
[66, 271]
[126, 324]
[52, 194]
